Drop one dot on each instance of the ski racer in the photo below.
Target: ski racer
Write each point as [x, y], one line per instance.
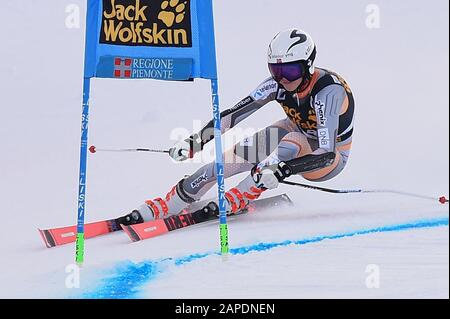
[319, 106]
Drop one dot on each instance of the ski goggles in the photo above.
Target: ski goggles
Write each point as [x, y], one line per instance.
[290, 71]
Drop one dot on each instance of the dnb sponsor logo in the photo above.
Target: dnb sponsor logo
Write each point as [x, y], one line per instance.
[324, 138]
[161, 23]
[143, 68]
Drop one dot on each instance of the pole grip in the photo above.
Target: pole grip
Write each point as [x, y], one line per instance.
[304, 164]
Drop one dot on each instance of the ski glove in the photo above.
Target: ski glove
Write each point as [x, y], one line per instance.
[181, 151]
[265, 178]
[186, 149]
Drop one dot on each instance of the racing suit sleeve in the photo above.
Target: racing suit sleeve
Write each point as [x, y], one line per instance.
[329, 103]
[263, 94]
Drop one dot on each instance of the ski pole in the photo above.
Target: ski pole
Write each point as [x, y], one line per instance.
[94, 149]
[442, 199]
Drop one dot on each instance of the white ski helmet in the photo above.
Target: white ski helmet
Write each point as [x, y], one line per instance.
[293, 45]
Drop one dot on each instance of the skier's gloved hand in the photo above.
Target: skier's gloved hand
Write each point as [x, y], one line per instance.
[282, 171]
[265, 178]
[186, 149]
[181, 151]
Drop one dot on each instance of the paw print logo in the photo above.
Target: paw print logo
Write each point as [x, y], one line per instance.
[172, 11]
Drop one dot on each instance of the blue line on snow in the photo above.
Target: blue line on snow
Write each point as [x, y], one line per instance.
[127, 278]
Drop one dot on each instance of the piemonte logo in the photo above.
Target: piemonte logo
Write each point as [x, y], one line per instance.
[160, 23]
[122, 67]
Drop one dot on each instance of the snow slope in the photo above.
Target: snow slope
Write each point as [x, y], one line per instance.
[399, 74]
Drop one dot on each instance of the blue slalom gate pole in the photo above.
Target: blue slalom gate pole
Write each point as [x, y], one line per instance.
[224, 246]
[82, 178]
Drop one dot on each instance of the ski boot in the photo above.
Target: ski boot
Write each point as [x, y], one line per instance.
[172, 204]
[131, 219]
[208, 212]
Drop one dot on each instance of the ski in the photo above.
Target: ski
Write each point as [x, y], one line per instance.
[159, 227]
[64, 235]
[58, 236]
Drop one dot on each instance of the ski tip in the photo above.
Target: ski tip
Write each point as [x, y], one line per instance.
[47, 238]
